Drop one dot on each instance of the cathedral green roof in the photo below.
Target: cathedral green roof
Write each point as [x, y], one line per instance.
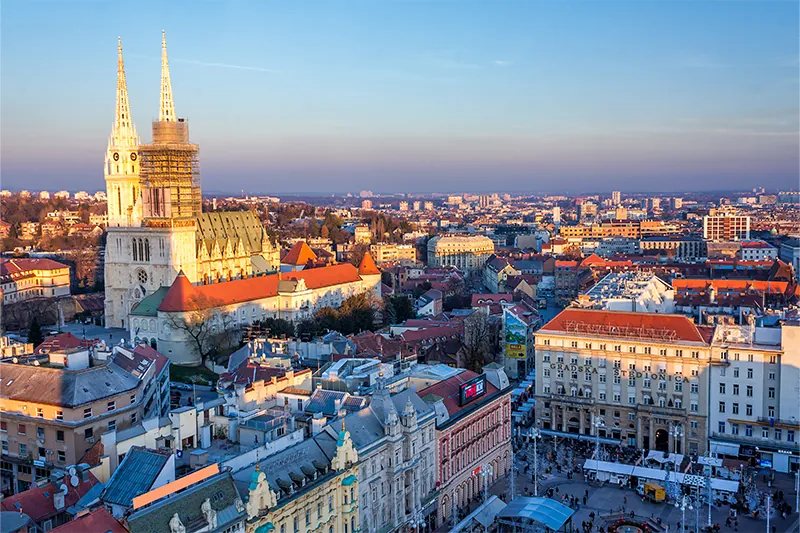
[149, 305]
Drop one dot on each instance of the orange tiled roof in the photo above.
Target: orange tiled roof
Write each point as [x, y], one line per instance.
[300, 254]
[623, 324]
[367, 266]
[724, 285]
[183, 296]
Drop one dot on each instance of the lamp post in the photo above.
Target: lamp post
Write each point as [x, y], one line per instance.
[598, 425]
[485, 472]
[533, 433]
[769, 508]
[684, 504]
[677, 433]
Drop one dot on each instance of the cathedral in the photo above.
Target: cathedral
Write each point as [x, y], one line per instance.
[156, 227]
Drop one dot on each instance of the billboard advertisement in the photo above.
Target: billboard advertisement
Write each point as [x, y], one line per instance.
[472, 389]
[516, 336]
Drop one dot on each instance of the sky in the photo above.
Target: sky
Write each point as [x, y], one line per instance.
[413, 95]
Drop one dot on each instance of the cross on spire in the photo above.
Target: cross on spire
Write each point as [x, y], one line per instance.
[166, 110]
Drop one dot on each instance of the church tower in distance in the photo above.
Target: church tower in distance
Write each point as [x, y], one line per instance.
[123, 187]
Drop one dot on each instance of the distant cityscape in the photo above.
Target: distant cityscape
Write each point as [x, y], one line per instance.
[185, 363]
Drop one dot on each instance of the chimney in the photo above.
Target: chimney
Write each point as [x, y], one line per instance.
[58, 501]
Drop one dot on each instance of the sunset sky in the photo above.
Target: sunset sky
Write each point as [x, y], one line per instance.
[414, 96]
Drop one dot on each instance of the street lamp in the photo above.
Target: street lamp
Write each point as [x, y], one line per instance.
[485, 471]
[533, 433]
[684, 504]
[677, 433]
[598, 424]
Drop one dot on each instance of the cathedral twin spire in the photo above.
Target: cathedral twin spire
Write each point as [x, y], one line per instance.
[166, 110]
[123, 124]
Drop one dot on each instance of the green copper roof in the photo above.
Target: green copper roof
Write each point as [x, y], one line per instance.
[149, 305]
[349, 480]
[265, 528]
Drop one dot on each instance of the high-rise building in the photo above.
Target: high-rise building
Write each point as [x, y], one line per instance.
[428, 206]
[403, 206]
[417, 205]
[616, 198]
[155, 225]
[655, 203]
[366, 204]
[556, 215]
[726, 227]
[677, 203]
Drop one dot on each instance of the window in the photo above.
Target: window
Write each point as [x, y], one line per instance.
[749, 373]
[23, 449]
[778, 434]
[330, 504]
[771, 411]
[735, 372]
[648, 350]
[133, 418]
[112, 425]
[40, 433]
[749, 391]
[734, 428]
[679, 353]
[764, 433]
[721, 427]
[87, 413]
[693, 407]
[721, 407]
[59, 435]
[749, 358]
[88, 433]
[694, 388]
[21, 429]
[790, 435]
[772, 360]
[40, 412]
[771, 392]
[735, 390]
[693, 424]
[112, 406]
[59, 415]
[772, 376]
[133, 398]
[735, 408]
[748, 430]
[308, 517]
[722, 388]
[749, 410]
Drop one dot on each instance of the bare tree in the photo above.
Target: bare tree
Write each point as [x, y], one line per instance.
[207, 330]
[480, 341]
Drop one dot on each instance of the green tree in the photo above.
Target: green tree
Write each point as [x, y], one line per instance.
[278, 327]
[386, 277]
[399, 307]
[35, 335]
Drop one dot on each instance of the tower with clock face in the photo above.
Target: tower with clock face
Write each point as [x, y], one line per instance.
[123, 187]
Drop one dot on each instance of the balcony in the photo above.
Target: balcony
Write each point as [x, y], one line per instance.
[567, 399]
[779, 422]
[757, 441]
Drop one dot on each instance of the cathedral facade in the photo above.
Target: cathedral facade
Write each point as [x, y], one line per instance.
[156, 227]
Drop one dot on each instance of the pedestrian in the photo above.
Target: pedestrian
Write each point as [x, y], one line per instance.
[625, 500]
[584, 500]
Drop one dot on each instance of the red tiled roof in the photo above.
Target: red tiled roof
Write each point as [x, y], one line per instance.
[448, 390]
[367, 266]
[64, 341]
[98, 520]
[39, 507]
[727, 285]
[183, 296]
[623, 324]
[9, 267]
[300, 254]
[755, 245]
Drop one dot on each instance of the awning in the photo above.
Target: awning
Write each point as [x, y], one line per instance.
[725, 448]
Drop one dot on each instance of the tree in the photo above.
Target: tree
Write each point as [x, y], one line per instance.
[207, 331]
[356, 314]
[398, 308]
[278, 327]
[456, 301]
[386, 278]
[35, 335]
[480, 341]
[327, 318]
[421, 289]
[357, 253]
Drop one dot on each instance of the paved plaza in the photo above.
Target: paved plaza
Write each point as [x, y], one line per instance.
[609, 502]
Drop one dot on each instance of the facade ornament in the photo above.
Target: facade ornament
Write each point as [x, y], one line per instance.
[209, 514]
[175, 524]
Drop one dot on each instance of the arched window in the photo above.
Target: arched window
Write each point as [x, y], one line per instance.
[135, 251]
[353, 524]
[141, 250]
[147, 249]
